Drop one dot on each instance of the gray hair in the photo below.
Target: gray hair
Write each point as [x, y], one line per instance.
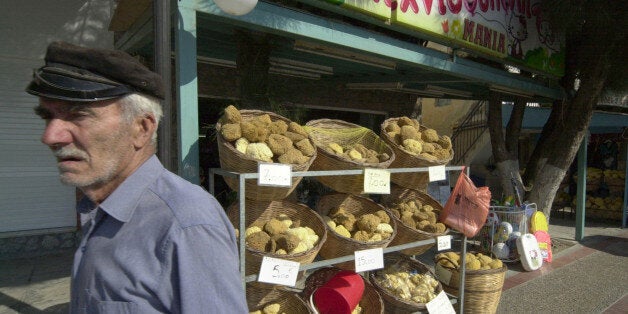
[136, 105]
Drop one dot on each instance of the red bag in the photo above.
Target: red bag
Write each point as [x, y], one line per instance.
[467, 206]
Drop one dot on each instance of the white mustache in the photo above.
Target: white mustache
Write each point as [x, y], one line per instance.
[70, 152]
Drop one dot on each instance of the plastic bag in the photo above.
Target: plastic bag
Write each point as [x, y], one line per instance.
[467, 206]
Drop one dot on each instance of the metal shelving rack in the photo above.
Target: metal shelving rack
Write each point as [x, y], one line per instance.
[242, 177]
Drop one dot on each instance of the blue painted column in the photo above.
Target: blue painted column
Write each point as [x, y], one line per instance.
[187, 83]
[581, 188]
[623, 218]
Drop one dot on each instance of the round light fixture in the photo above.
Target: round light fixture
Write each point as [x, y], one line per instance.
[236, 7]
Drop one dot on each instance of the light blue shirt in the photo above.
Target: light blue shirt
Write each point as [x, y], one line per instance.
[157, 244]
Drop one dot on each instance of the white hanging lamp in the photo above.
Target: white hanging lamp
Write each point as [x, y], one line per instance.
[236, 7]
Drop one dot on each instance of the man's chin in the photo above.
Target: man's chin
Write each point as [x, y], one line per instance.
[70, 180]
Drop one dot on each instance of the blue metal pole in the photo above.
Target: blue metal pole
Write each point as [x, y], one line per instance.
[581, 188]
[623, 219]
[187, 83]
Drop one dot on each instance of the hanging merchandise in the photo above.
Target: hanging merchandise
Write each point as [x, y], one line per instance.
[467, 207]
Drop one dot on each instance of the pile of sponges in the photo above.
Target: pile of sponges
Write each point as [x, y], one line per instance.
[473, 261]
[426, 143]
[281, 235]
[419, 216]
[365, 228]
[263, 139]
[357, 153]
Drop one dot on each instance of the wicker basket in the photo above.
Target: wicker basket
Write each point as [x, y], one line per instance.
[233, 160]
[406, 234]
[482, 288]
[371, 302]
[337, 245]
[403, 159]
[290, 302]
[326, 131]
[260, 212]
[393, 303]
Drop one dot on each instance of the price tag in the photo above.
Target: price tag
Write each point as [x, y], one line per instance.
[376, 181]
[275, 175]
[437, 173]
[278, 271]
[369, 259]
[443, 242]
[440, 304]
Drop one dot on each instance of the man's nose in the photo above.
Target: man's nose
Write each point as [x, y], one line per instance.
[56, 133]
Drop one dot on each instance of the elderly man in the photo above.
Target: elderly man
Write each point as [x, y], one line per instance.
[152, 242]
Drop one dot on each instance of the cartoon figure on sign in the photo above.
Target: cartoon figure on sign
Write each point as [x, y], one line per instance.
[543, 28]
[534, 258]
[518, 30]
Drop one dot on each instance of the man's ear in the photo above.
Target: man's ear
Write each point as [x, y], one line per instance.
[144, 128]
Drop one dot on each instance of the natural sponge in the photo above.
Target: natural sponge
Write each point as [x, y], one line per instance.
[278, 144]
[231, 131]
[258, 241]
[259, 151]
[275, 226]
[231, 115]
[253, 132]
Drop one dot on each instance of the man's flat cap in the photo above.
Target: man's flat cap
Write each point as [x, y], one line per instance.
[78, 73]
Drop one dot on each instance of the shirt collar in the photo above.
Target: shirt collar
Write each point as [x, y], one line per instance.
[122, 202]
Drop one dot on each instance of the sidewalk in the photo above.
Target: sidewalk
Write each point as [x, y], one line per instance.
[586, 277]
[591, 276]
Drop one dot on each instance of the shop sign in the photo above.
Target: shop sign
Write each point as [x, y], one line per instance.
[513, 30]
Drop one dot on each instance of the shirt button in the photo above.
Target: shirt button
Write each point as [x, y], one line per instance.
[83, 249]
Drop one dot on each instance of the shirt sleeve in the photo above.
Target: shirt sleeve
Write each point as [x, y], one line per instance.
[205, 271]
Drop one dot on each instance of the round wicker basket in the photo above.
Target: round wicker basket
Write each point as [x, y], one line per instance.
[403, 159]
[326, 131]
[405, 233]
[371, 302]
[289, 302]
[233, 160]
[337, 245]
[393, 303]
[482, 288]
[260, 212]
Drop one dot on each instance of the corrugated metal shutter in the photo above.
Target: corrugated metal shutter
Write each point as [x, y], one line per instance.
[31, 196]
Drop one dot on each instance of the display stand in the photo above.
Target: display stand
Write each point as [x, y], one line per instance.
[242, 244]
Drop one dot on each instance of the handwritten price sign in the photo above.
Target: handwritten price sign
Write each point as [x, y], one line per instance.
[275, 175]
[369, 259]
[376, 181]
[440, 304]
[437, 173]
[278, 271]
[443, 242]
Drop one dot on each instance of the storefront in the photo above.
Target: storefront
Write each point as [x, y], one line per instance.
[374, 57]
[343, 52]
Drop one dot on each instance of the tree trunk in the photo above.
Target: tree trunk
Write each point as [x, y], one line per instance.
[590, 52]
[505, 147]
